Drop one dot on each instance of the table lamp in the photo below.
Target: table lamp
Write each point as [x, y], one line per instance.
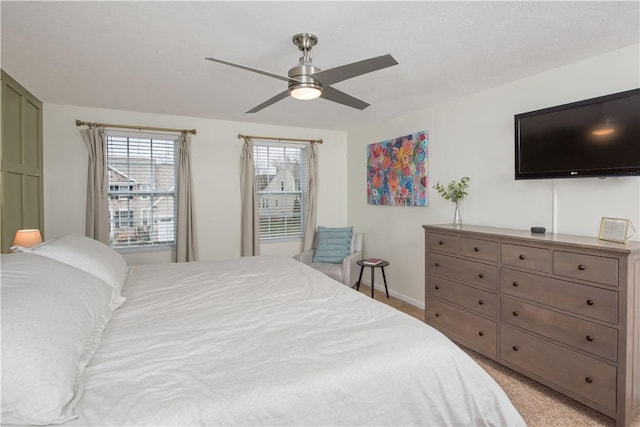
[26, 239]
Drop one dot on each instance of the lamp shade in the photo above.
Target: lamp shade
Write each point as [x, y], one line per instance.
[27, 238]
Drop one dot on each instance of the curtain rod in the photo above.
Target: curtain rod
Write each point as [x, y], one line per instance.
[270, 138]
[110, 125]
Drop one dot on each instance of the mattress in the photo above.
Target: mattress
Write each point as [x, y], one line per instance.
[269, 341]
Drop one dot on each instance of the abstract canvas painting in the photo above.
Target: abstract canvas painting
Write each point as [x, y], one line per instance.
[397, 171]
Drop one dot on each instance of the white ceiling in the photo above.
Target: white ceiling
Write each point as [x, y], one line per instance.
[149, 56]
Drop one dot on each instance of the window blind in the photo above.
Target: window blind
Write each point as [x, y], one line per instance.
[142, 174]
[281, 183]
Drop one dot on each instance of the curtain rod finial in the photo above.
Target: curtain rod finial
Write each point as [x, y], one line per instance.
[79, 123]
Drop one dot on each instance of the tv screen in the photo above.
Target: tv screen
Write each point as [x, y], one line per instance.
[596, 137]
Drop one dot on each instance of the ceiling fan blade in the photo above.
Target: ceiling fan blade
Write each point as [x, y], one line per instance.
[273, 100]
[266, 73]
[340, 97]
[344, 72]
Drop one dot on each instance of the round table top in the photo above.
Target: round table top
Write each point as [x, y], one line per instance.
[364, 263]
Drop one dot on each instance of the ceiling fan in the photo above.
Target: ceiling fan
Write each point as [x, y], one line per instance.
[306, 81]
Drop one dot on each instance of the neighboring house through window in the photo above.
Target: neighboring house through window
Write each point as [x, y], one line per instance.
[142, 174]
[280, 169]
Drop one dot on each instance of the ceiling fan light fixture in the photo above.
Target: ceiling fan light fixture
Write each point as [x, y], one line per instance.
[604, 129]
[603, 132]
[305, 92]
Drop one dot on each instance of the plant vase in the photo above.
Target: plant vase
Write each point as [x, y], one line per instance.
[457, 217]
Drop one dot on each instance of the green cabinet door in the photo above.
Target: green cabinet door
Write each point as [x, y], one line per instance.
[21, 204]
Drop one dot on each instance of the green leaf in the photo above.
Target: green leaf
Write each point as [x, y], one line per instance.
[454, 191]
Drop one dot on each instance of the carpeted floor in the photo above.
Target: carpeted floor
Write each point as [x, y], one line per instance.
[539, 405]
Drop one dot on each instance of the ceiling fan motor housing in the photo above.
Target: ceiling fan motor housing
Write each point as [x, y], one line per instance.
[301, 77]
[301, 73]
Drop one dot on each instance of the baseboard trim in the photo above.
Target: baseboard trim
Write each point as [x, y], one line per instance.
[395, 294]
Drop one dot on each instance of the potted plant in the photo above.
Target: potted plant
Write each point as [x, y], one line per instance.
[454, 191]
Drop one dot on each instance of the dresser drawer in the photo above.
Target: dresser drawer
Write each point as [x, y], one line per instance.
[466, 271]
[474, 299]
[485, 250]
[584, 376]
[525, 257]
[582, 334]
[471, 330]
[585, 300]
[586, 267]
[444, 243]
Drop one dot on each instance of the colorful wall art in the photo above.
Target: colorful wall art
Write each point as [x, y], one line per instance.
[397, 171]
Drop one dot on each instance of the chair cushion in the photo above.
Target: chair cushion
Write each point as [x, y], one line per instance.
[332, 244]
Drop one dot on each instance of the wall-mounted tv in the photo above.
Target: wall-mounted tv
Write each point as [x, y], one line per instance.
[596, 137]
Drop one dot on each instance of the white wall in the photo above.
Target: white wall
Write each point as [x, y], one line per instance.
[215, 164]
[470, 136]
[473, 136]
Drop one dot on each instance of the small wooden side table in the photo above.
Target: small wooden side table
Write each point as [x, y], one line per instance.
[382, 264]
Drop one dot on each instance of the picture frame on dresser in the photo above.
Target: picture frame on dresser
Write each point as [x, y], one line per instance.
[617, 230]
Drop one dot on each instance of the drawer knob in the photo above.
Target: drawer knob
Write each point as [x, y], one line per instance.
[481, 333]
[515, 313]
[481, 276]
[440, 242]
[514, 348]
[589, 380]
[437, 314]
[437, 264]
[522, 257]
[582, 267]
[590, 302]
[476, 249]
[515, 284]
[589, 338]
[480, 302]
[437, 287]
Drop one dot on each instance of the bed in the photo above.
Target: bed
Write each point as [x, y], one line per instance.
[250, 341]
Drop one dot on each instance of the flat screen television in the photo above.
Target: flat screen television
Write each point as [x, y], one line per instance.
[596, 137]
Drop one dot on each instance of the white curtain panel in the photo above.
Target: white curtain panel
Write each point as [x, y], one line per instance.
[312, 198]
[250, 220]
[185, 233]
[97, 211]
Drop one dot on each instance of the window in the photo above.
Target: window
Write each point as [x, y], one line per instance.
[145, 215]
[280, 168]
[120, 192]
[123, 218]
[142, 174]
[144, 187]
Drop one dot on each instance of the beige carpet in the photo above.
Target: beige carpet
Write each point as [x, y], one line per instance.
[539, 405]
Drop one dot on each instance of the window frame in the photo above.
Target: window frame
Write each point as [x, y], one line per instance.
[149, 196]
[300, 184]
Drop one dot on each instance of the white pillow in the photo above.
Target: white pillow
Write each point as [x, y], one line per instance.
[53, 316]
[88, 255]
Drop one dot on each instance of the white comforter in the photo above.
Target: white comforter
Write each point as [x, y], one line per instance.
[270, 341]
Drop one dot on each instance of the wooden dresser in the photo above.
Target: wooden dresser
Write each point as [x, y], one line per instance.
[563, 310]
